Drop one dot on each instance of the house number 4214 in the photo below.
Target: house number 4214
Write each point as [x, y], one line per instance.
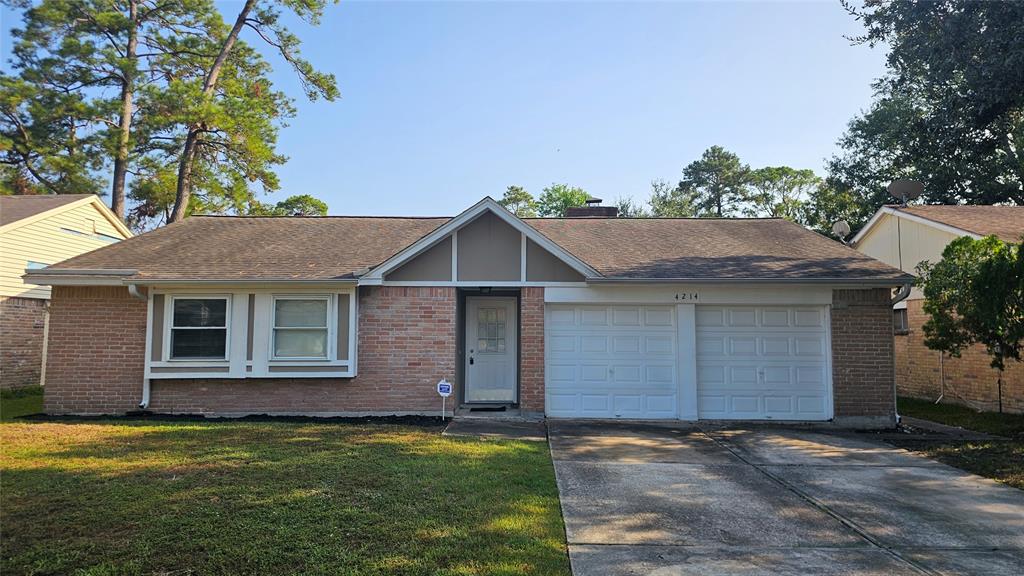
[686, 296]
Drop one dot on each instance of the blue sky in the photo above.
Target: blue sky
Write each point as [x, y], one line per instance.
[444, 103]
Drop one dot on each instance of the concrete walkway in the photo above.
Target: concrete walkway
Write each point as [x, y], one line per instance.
[664, 500]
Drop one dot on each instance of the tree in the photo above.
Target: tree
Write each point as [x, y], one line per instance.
[212, 115]
[950, 110]
[975, 295]
[780, 192]
[669, 201]
[556, 199]
[629, 208]
[718, 181]
[87, 60]
[301, 205]
[519, 202]
[831, 202]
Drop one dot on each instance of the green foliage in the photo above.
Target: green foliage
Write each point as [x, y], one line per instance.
[949, 112]
[519, 202]
[629, 208]
[718, 181]
[780, 192]
[669, 201]
[557, 198]
[301, 205]
[829, 203]
[975, 295]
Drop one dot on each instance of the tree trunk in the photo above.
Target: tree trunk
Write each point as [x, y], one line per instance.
[188, 153]
[125, 125]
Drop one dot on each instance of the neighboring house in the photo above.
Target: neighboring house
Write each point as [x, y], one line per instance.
[36, 231]
[904, 236]
[571, 317]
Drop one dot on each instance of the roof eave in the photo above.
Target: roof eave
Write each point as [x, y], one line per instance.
[860, 282]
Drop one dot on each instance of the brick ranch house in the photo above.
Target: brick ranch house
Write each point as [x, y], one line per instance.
[903, 237]
[578, 317]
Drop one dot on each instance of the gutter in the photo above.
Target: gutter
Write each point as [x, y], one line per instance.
[900, 296]
[881, 283]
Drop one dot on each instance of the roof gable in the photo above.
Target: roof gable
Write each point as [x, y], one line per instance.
[487, 205]
[1005, 222]
[22, 210]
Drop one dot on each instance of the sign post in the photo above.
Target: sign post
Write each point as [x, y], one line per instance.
[444, 389]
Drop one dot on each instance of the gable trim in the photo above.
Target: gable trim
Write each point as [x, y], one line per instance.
[896, 212]
[376, 276]
[94, 200]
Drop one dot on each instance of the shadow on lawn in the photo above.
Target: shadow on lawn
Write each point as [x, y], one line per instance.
[230, 497]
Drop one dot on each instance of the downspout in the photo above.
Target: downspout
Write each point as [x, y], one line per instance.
[133, 290]
[900, 296]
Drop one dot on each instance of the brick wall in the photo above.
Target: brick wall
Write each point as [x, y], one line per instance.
[22, 322]
[862, 356]
[531, 339]
[97, 336]
[95, 355]
[968, 380]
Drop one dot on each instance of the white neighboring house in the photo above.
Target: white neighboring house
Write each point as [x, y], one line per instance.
[36, 231]
[905, 236]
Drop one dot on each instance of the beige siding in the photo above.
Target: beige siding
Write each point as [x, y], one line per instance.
[433, 264]
[46, 241]
[489, 250]
[904, 245]
[543, 266]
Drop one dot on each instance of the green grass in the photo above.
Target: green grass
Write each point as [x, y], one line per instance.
[21, 402]
[1008, 425]
[143, 497]
[999, 459]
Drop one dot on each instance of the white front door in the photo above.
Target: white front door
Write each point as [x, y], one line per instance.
[491, 349]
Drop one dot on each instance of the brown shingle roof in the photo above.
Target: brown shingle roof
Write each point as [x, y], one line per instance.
[14, 208]
[709, 248]
[215, 248]
[1006, 222]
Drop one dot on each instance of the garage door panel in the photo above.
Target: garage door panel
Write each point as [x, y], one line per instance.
[762, 363]
[621, 362]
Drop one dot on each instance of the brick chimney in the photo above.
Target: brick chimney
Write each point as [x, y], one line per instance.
[593, 209]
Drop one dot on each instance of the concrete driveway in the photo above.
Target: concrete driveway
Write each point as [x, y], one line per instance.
[664, 500]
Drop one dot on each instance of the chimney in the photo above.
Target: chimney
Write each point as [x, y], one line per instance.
[593, 209]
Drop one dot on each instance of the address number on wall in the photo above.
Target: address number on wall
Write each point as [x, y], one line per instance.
[686, 296]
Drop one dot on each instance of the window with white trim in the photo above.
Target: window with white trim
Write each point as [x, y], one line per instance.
[301, 328]
[199, 328]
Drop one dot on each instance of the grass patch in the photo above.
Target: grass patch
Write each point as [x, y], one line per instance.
[20, 402]
[1008, 425]
[999, 459]
[136, 497]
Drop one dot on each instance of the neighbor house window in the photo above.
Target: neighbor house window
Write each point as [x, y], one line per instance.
[199, 328]
[301, 327]
[899, 321]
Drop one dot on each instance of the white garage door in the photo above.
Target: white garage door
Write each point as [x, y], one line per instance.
[762, 363]
[611, 361]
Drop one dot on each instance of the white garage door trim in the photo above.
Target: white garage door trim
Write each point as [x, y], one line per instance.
[611, 361]
[764, 363]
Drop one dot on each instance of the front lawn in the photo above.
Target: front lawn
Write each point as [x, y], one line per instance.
[1001, 459]
[148, 497]
[21, 402]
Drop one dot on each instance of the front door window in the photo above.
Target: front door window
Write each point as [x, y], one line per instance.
[490, 330]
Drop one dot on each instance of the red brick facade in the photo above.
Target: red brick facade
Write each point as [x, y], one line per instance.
[968, 380]
[862, 357]
[531, 342]
[407, 342]
[22, 325]
[94, 361]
